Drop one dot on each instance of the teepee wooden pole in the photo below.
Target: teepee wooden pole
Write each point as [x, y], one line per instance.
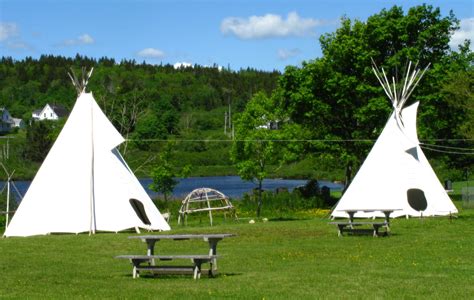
[380, 81]
[387, 84]
[395, 91]
[9, 178]
[406, 80]
[80, 85]
[418, 80]
[92, 187]
[8, 203]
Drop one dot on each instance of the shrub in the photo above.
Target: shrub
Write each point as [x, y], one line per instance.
[284, 202]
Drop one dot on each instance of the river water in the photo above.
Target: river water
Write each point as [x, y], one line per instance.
[232, 186]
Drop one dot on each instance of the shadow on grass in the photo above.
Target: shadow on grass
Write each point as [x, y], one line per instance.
[284, 219]
[180, 276]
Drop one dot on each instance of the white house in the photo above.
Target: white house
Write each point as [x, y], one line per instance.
[50, 112]
[18, 123]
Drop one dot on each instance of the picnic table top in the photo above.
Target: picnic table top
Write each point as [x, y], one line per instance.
[182, 236]
[357, 223]
[166, 257]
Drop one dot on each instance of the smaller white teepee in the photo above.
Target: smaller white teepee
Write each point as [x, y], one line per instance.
[396, 173]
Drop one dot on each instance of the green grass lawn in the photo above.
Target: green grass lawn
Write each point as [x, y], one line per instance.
[295, 259]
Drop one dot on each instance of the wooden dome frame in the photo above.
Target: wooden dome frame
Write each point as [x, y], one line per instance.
[205, 200]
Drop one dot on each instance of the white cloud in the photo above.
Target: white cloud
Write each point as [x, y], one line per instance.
[8, 30]
[269, 25]
[284, 54]
[18, 45]
[83, 39]
[183, 64]
[151, 53]
[466, 32]
[10, 36]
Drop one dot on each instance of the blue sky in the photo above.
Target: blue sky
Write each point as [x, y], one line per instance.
[261, 34]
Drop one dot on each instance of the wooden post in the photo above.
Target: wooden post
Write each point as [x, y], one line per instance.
[8, 203]
[209, 206]
[230, 115]
[225, 123]
[186, 214]
[9, 178]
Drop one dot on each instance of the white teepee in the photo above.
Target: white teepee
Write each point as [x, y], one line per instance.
[396, 173]
[84, 184]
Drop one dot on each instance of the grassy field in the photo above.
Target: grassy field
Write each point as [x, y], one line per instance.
[278, 259]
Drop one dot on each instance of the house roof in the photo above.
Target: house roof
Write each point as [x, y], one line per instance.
[60, 110]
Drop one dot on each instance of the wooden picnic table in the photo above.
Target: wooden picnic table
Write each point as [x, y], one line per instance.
[212, 239]
[386, 211]
[197, 259]
[349, 226]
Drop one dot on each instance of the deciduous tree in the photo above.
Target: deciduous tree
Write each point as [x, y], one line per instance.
[254, 148]
[164, 174]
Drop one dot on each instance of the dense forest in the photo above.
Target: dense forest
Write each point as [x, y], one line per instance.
[332, 98]
[139, 89]
[145, 102]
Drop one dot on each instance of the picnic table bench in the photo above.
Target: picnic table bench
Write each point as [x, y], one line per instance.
[195, 269]
[349, 226]
[147, 262]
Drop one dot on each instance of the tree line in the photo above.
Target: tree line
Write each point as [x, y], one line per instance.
[135, 96]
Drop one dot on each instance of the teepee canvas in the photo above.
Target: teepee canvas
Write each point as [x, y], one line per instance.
[84, 184]
[396, 174]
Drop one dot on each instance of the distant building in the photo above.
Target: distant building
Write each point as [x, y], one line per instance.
[18, 123]
[270, 124]
[36, 114]
[50, 112]
[7, 122]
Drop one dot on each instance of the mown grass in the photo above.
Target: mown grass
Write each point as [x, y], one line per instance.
[294, 259]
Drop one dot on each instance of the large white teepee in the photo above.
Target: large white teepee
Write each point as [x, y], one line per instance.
[84, 184]
[396, 173]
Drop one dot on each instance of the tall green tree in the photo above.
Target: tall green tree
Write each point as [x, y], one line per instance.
[337, 97]
[164, 174]
[254, 148]
[40, 136]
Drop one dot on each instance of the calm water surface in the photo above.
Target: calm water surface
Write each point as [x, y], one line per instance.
[232, 186]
